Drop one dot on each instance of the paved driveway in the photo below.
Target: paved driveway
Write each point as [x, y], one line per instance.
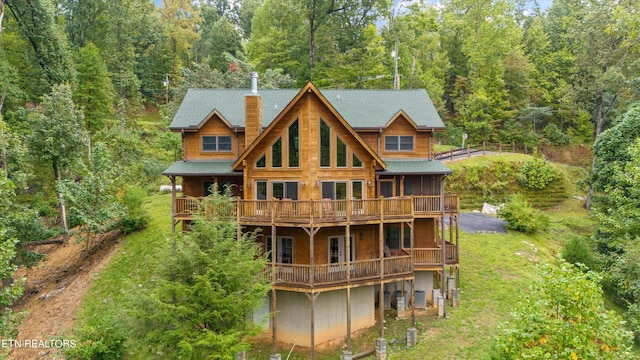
[475, 222]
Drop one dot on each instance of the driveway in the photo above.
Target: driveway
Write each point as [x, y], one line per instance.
[475, 222]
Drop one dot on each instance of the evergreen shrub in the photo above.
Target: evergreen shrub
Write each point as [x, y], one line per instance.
[520, 216]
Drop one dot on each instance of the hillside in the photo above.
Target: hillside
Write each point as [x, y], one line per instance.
[495, 268]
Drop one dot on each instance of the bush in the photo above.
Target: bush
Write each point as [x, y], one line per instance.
[136, 216]
[562, 316]
[103, 341]
[536, 173]
[555, 135]
[520, 216]
[576, 250]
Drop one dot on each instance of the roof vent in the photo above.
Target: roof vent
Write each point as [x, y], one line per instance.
[254, 82]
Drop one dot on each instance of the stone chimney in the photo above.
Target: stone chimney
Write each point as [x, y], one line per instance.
[252, 112]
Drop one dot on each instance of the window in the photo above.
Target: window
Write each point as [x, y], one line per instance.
[276, 153]
[407, 236]
[341, 153]
[334, 190]
[262, 162]
[337, 249]
[392, 237]
[356, 190]
[282, 190]
[261, 190]
[325, 144]
[357, 163]
[284, 249]
[294, 145]
[398, 143]
[208, 187]
[216, 143]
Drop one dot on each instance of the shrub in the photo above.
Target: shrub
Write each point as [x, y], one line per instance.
[104, 341]
[576, 250]
[136, 216]
[520, 216]
[536, 173]
[562, 316]
[555, 135]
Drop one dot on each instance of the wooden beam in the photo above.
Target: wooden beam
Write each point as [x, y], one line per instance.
[312, 323]
[274, 308]
[173, 203]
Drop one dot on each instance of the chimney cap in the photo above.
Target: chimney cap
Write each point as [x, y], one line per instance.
[254, 82]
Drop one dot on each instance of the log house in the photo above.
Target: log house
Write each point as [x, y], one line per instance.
[344, 187]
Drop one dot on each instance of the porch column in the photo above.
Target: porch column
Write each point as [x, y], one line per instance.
[381, 255]
[444, 247]
[173, 203]
[274, 307]
[348, 254]
[312, 297]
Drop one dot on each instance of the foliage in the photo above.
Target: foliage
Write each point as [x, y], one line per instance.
[520, 216]
[36, 21]
[135, 217]
[616, 209]
[94, 93]
[11, 290]
[103, 340]
[577, 251]
[206, 285]
[92, 200]
[563, 317]
[537, 173]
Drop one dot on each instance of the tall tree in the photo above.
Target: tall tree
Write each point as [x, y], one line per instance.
[94, 93]
[36, 20]
[58, 136]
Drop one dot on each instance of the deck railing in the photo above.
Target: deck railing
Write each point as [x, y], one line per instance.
[317, 210]
[433, 256]
[327, 274]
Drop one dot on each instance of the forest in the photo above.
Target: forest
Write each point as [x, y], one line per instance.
[81, 80]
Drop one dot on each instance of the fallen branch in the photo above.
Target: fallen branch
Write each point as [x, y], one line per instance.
[43, 242]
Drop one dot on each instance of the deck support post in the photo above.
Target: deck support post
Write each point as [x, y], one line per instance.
[173, 203]
[273, 290]
[312, 330]
[443, 284]
[381, 255]
[348, 269]
[311, 232]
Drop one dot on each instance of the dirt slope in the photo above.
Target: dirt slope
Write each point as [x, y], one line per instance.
[53, 292]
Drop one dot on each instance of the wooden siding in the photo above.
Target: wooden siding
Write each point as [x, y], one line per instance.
[400, 127]
[309, 110]
[192, 147]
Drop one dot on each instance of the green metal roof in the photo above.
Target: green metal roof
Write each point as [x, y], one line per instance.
[360, 108]
[202, 168]
[414, 166]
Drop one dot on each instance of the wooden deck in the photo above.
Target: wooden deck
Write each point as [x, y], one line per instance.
[296, 212]
[306, 276]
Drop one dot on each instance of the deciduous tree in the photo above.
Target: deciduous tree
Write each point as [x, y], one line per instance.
[58, 136]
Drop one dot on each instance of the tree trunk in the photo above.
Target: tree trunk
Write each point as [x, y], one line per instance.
[63, 209]
[312, 46]
[1, 14]
[599, 125]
